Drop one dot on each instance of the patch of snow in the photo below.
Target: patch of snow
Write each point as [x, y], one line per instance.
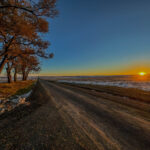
[9, 104]
[15, 100]
[21, 97]
[143, 85]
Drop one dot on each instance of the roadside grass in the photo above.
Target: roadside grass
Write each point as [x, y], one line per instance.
[24, 90]
[10, 90]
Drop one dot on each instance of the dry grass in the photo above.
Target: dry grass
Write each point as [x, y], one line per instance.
[20, 87]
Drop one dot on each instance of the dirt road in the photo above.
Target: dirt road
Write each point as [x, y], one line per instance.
[72, 118]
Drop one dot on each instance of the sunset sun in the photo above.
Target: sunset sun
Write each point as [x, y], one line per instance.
[142, 73]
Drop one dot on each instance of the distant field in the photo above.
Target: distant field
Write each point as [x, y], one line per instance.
[100, 78]
[136, 81]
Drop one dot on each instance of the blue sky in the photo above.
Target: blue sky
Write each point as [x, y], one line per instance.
[99, 37]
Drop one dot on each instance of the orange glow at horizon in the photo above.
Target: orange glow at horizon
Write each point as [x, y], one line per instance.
[142, 73]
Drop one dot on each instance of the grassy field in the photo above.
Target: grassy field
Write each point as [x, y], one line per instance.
[7, 90]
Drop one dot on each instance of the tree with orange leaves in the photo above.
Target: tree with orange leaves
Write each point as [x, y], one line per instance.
[21, 23]
[28, 65]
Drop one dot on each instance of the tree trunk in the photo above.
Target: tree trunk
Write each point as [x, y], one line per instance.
[3, 62]
[27, 73]
[23, 75]
[15, 75]
[9, 77]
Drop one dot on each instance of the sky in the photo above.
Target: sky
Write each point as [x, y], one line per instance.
[99, 37]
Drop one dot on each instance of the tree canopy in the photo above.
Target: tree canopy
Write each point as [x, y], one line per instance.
[22, 23]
